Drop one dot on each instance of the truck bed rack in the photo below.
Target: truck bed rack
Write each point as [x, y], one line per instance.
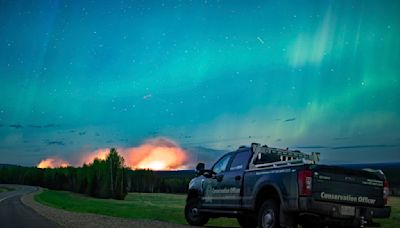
[268, 157]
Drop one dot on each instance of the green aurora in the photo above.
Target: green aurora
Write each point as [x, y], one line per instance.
[317, 75]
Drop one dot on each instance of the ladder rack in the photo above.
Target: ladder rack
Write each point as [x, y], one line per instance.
[288, 157]
[281, 164]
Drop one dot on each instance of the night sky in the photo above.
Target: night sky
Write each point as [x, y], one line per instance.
[76, 76]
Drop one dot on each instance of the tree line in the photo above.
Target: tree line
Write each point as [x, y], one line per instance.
[102, 178]
[159, 181]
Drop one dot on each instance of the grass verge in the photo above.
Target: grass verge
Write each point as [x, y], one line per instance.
[155, 206]
[5, 189]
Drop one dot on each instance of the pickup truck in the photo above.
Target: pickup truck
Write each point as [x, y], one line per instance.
[270, 187]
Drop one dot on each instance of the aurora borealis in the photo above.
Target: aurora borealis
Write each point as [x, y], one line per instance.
[77, 76]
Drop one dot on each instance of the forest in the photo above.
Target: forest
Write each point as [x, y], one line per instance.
[101, 178]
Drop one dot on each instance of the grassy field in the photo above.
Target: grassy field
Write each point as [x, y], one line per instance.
[5, 189]
[155, 206]
[163, 207]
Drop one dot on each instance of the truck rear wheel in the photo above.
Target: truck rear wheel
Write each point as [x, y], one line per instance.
[268, 215]
[192, 213]
[247, 221]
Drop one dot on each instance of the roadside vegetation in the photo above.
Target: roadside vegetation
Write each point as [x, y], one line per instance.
[155, 206]
[5, 189]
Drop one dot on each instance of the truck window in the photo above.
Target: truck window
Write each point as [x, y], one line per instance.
[266, 158]
[240, 161]
[220, 166]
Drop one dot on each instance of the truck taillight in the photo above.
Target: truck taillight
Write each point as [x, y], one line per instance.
[385, 191]
[305, 182]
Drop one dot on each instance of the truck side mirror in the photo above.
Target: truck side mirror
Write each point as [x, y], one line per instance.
[200, 168]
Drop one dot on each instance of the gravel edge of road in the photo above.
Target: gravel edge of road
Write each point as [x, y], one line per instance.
[75, 219]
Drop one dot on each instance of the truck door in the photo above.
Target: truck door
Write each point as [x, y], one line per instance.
[233, 179]
[227, 188]
[211, 186]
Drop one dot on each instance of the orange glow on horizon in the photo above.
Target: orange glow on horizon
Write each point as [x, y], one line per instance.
[99, 154]
[52, 163]
[154, 154]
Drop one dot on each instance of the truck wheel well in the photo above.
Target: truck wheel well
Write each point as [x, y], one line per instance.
[267, 192]
[192, 194]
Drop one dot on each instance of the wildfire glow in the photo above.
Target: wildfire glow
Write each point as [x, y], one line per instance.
[99, 154]
[155, 154]
[52, 163]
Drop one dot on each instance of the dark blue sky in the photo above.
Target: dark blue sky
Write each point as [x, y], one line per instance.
[80, 75]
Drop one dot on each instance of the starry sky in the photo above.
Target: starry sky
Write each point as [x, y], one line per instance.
[315, 75]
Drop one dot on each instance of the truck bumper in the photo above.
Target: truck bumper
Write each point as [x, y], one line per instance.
[334, 211]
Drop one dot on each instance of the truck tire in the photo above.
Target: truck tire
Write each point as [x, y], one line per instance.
[192, 214]
[268, 215]
[247, 221]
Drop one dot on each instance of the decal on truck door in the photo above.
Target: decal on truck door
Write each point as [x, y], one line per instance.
[224, 193]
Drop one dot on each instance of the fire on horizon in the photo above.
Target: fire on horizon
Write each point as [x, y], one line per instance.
[155, 154]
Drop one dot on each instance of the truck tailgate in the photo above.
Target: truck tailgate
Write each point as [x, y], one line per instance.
[347, 186]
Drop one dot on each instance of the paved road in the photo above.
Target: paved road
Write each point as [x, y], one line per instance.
[13, 213]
